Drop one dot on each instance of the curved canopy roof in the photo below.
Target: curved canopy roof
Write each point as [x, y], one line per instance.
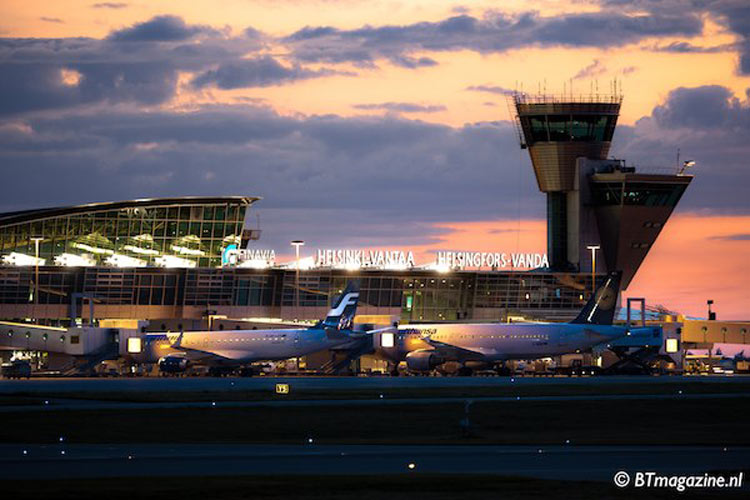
[45, 213]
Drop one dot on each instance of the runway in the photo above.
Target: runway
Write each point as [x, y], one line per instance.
[80, 405]
[174, 384]
[547, 462]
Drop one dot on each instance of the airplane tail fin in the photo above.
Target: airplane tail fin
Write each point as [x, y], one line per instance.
[341, 315]
[600, 309]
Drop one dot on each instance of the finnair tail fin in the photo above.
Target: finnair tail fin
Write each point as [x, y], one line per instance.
[341, 315]
[600, 309]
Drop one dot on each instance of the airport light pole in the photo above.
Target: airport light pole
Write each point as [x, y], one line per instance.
[593, 249]
[296, 244]
[36, 240]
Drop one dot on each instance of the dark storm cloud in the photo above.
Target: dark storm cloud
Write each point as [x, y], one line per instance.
[710, 107]
[708, 125]
[258, 72]
[345, 175]
[732, 14]
[343, 180]
[402, 107]
[38, 86]
[137, 65]
[160, 29]
[496, 32]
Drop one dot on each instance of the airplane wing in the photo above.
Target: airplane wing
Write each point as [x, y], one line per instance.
[216, 356]
[213, 356]
[449, 351]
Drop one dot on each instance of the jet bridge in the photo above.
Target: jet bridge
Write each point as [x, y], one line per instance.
[645, 346]
[76, 349]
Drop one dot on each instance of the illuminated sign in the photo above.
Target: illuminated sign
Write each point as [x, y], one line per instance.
[354, 259]
[282, 388]
[385, 259]
[232, 256]
[461, 260]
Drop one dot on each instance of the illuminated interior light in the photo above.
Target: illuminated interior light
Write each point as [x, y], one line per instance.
[255, 264]
[21, 259]
[139, 250]
[172, 261]
[305, 263]
[134, 345]
[672, 345]
[183, 250]
[350, 266]
[119, 260]
[73, 260]
[96, 250]
[387, 340]
[395, 267]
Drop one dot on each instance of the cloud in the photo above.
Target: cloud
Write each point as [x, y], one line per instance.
[492, 89]
[257, 72]
[706, 107]
[734, 15]
[160, 29]
[355, 173]
[688, 48]
[337, 178]
[413, 62]
[139, 65]
[708, 125]
[496, 32]
[109, 5]
[596, 68]
[402, 107]
[51, 20]
[733, 237]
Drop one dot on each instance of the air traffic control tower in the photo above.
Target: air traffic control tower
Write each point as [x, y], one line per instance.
[592, 200]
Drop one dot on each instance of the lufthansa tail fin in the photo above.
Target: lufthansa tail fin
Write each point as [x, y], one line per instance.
[600, 309]
[341, 315]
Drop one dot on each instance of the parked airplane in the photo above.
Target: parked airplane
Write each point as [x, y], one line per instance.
[425, 347]
[223, 350]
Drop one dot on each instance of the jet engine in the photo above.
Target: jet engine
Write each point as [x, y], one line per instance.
[423, 360]
[173, 364]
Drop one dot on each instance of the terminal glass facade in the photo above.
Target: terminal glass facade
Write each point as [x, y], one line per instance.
[413, 296]
[182, 232]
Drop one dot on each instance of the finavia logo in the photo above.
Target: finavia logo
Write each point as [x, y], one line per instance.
[349, 300]
[229, 255]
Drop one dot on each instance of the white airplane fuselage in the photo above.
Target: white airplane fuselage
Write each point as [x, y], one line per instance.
[501, 341]
[246, 346]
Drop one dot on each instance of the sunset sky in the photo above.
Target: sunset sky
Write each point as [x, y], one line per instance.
[381, 123]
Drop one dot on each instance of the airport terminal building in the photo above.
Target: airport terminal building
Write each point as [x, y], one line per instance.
[190, 258]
